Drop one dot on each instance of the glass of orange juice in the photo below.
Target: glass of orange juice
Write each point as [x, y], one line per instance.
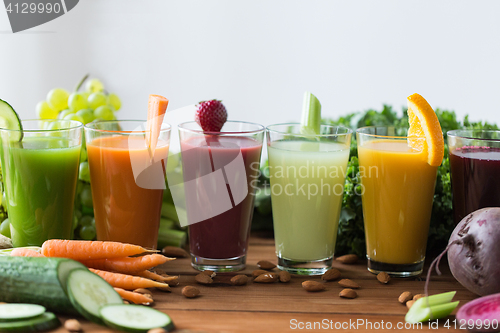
[397, 194]
[127, 182]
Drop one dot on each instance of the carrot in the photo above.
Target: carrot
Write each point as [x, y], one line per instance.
[127, 282]
[157, 106]
[127, 265]
[22, 252]
[85, 250]
[156, 277]
[133, 297]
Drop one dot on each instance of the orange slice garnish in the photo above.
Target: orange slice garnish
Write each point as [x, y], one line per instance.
[424, 123]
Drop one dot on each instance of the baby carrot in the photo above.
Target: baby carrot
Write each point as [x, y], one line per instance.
[127, 265]
[156, 277]
[127, 282]
[84, 250]
[22, 252]
[133, 297]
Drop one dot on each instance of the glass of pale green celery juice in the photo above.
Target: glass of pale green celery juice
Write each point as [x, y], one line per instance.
[307, 174]
[40, 172]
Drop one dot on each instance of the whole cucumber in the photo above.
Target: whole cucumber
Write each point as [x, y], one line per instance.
[37, 281]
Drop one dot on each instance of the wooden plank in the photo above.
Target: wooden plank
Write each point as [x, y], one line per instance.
[197, 321]
[235, 321]
[373, 297]
[280, 307]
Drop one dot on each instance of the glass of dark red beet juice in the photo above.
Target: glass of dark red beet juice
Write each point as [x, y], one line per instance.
[475, 170]
[220, 171]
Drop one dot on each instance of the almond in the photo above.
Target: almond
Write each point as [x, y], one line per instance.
[175, 252]
[409, 303]
[383, 277]
[266, 265]
[348, 293]
[284, 276]
[266, 278]
[239, 280]
[417, 296]
[143, 291]
[209, 273]
[331, 274]
[346, 283]
[313, 286]
[73, 325]
[348, 259]
[190, 291]
[258, 272]
[203, 279]
[173, 282]
[405, 297]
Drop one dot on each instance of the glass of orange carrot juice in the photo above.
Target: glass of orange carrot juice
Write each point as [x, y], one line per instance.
[127, 180]
[397, 189]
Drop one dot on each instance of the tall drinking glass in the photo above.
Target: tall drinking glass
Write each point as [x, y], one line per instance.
[40, 172]
[220, 171]
[127, 182]
[307, 184]
[474, 164]
[397, 194]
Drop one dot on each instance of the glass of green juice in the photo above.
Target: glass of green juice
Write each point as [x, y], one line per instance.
[307, 173]
[40, 171]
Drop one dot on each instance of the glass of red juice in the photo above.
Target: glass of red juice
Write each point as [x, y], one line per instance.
[475, 167]
[220, 172]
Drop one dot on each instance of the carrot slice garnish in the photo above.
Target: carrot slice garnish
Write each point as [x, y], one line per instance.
[157, 106]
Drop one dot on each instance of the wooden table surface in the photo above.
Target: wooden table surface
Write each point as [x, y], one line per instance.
[281, 307]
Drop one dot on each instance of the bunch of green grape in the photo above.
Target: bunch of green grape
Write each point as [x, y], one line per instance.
[85, 106]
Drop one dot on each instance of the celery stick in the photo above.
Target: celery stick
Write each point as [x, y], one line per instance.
[442, 310]
[432, 307]
[182, 217]
[440, 298]
[171, 237]
[173, 213]
[166, 224]
[311, 115]
[434, 312]
[168, 211]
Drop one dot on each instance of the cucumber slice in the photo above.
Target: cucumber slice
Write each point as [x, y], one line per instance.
[16, 311]
[44, 322]
[311, 115]
[10, 120]
[88, 292]
[135, 318]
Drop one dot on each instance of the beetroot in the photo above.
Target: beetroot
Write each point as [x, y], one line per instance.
[474, 252]
[481, 314]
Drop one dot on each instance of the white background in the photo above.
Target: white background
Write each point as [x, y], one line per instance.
[260, 56]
